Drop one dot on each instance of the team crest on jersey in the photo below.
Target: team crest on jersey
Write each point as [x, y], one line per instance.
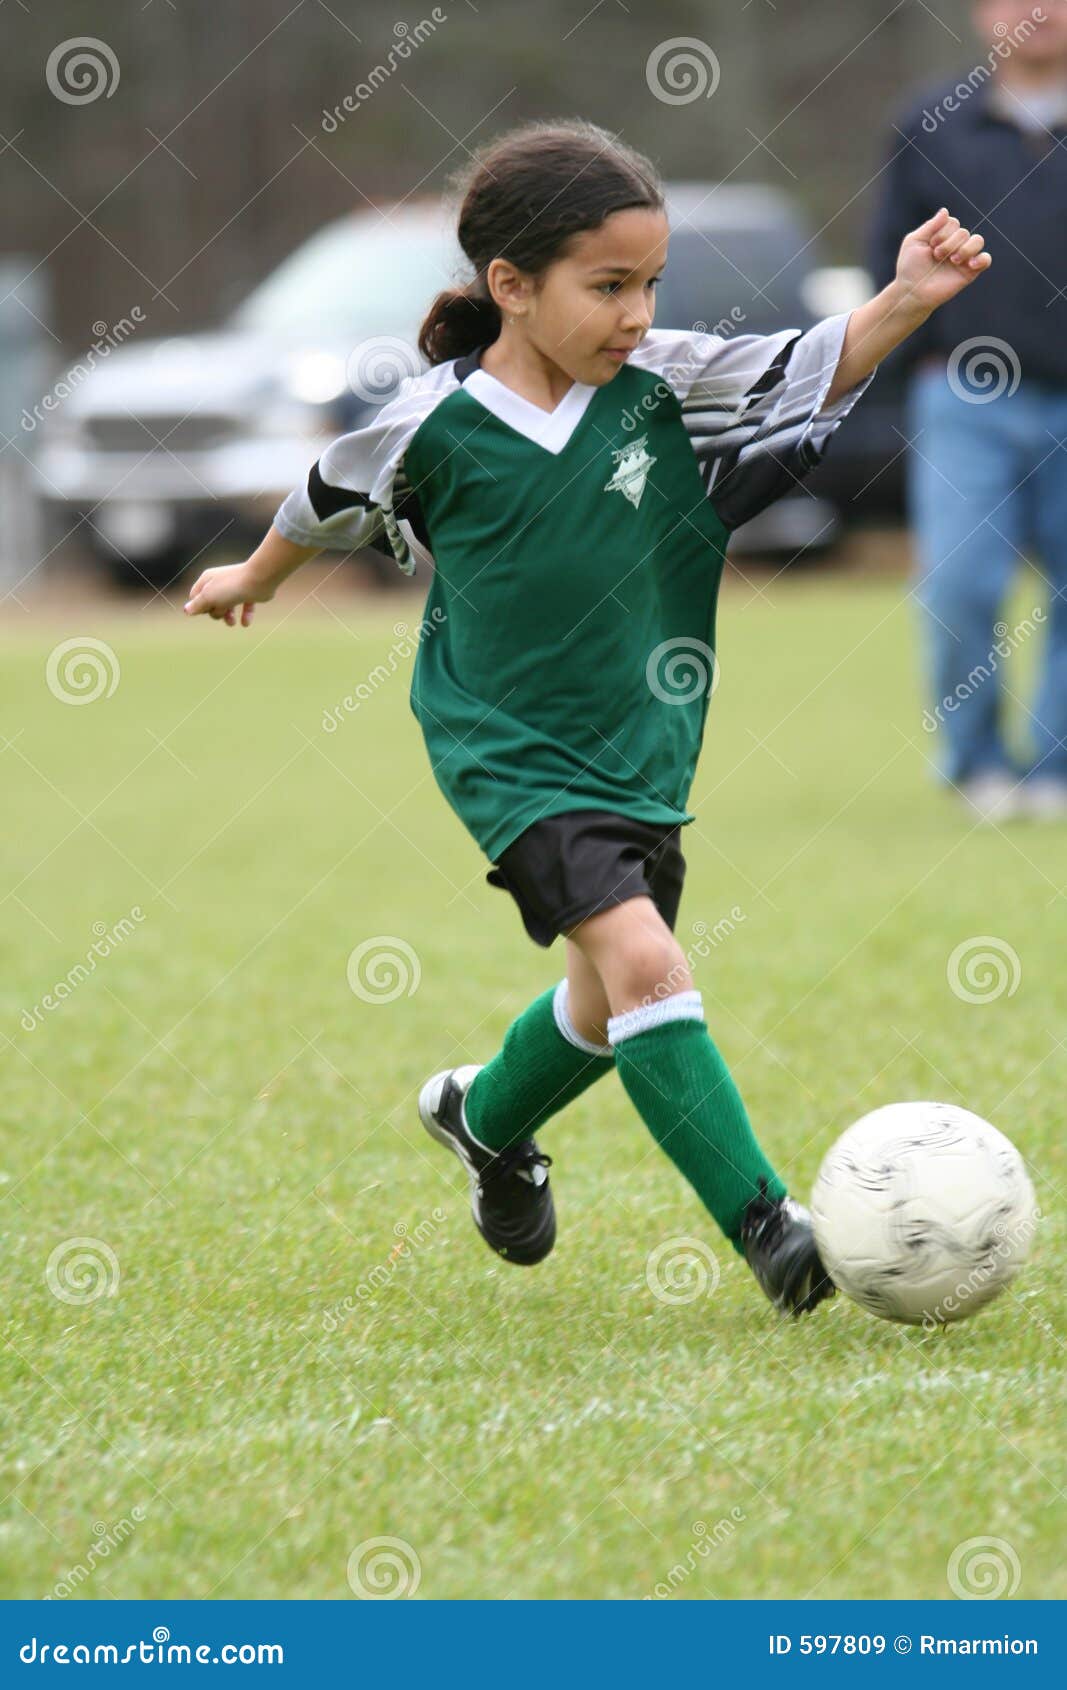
[632, 464]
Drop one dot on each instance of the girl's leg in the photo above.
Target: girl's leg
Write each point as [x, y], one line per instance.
[587, 1001]
[668, 1064]
[555, 1050]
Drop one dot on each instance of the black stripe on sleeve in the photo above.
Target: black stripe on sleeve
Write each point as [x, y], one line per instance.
[408, 508]
[326, 501]
[773, 374]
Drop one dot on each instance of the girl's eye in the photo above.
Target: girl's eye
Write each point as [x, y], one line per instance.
[612, 287]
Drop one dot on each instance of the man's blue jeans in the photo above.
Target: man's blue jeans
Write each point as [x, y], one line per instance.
[987, 490]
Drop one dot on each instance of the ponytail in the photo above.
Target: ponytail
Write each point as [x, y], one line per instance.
[458, 321]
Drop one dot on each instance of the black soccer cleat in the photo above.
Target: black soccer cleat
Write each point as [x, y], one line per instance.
[511, 1199]
[779, 1246]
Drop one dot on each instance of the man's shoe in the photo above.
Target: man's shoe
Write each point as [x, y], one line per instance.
[994, 797]
[511, 1199]
[779, 1246]
[1044, 798]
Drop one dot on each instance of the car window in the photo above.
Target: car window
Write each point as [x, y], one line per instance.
[376, 275]
[713, 272]
[361, 276]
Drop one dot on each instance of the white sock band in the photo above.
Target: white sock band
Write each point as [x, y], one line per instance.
[683, 1006]
[561, 1011]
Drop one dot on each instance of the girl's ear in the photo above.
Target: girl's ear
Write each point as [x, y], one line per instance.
[506, 286]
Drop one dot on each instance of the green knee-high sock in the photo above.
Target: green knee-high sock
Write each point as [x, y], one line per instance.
[683, 1092]
[538, 1070]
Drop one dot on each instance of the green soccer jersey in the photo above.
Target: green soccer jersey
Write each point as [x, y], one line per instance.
[567, 659]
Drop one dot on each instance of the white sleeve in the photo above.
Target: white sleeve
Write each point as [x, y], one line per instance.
[752, 406]
[357, 491]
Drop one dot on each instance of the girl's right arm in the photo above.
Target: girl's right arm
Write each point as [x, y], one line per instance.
[353, 497]
[218, 592]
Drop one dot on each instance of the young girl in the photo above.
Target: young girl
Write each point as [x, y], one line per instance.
[575, 475]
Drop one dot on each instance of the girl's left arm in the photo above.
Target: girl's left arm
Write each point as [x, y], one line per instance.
[936, 261]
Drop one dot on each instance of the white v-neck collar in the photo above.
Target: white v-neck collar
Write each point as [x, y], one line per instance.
[550, 429]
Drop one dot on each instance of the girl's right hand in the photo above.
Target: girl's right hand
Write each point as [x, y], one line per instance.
[219, 591]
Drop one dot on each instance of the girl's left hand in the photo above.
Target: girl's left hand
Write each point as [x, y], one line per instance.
[938, 260]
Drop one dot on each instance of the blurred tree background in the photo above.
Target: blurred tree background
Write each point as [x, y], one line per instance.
[208, 159]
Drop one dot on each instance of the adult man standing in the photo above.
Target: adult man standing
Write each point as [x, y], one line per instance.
[987, 398]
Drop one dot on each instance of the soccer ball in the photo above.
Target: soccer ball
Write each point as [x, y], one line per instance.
[923, 1212]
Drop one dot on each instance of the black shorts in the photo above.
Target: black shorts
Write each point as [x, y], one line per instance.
[569, 866]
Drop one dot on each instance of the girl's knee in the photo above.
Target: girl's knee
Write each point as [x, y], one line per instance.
[636, 954]
[654, 974]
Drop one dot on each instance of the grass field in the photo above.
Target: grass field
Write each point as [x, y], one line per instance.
[289, 1341]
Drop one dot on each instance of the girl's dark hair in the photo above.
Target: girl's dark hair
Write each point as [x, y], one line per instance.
[524, 197]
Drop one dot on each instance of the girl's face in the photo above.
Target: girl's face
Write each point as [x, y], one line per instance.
[589, 310]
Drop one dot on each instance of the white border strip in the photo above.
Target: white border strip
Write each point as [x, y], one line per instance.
[561, 1011]
[682, 1006]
